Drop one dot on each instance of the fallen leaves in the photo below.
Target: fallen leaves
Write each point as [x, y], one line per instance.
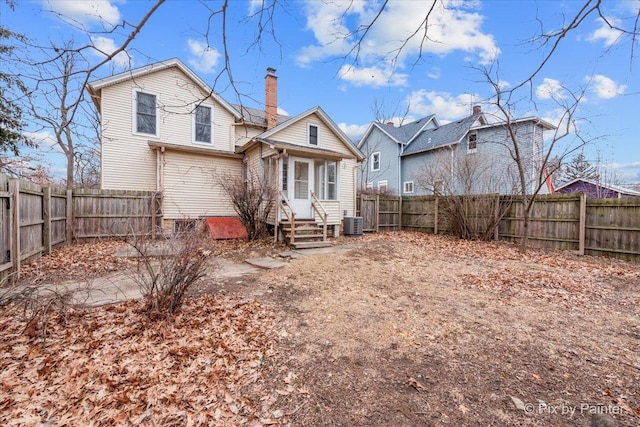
[204, 367]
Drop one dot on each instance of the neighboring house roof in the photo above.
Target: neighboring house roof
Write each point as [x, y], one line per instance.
[327, 121]
[442, 136]
[538, 121]
[575, 186]
[96, 86]
[400, 134]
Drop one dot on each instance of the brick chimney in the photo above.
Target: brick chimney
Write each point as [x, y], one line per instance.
[390, 123]
[271, 97]
[477, 109]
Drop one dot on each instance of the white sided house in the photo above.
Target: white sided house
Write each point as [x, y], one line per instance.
[165, 130]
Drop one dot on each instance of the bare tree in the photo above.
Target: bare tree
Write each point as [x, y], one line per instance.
[469, 188]
[532, 166]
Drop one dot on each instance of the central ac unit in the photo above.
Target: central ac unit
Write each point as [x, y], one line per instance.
[353, 226]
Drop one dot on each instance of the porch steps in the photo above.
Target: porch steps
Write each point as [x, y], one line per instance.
[311, 245]
[307, 234]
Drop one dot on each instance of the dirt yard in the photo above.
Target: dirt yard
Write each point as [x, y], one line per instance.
[403, 330]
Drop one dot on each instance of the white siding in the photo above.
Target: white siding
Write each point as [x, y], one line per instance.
[192, 186]
[297, 134]
[127, 161]
[347, 185]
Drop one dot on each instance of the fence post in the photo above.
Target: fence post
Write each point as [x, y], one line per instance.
[583, 225]
[377, 209]
[399, 213]
[14, 190]
[496, 231]
[152, 207]
[69, 219]
[435, 217]
[46, 214]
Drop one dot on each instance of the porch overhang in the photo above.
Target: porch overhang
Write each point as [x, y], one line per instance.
[194, 150]
[299, 150]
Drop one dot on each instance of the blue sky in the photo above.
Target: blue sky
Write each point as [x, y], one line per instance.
[317, 66]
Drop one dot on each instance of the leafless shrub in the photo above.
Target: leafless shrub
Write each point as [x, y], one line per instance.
[468, 186]
[253, 196]
[34, 304]
[168, 269]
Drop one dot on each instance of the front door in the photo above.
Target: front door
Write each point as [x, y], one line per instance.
[301, 179]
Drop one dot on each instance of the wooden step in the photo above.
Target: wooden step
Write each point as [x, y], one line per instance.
[310, 245]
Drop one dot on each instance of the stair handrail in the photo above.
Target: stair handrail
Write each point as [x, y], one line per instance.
[322, 213]
[285, 206]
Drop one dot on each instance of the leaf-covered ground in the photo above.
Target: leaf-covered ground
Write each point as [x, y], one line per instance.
[400, 329]
[108, 366]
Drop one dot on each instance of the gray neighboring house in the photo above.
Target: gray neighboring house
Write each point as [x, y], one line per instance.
[468, 156]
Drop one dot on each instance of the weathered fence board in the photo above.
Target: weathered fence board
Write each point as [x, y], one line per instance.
[33, 218]
[609, 227]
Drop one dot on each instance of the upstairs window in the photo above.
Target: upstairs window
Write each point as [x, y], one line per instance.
[313, 135]
[472, 144]
[146, 114]
[375, 161]
[202, 126]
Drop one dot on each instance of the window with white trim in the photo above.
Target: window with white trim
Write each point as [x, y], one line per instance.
[327, 180]
[313, 134]
[472, 142]
[202, 124]
[382, 186]
[375, 161]
[146, 113]
[408, 186]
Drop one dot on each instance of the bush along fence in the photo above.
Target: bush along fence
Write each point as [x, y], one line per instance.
[609, 227]
[35, 218]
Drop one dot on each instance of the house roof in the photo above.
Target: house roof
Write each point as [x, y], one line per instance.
[97, 85]
[441, 136]
[299, 149]
[615, 188]
[325, 119]
[545, 124]
[257, 117]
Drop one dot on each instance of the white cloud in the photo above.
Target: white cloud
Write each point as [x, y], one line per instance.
[85, 13]
[550, 89]
[452, 26]
[203, 58]
[605, 33]
[105, 46]
[45, 141]
[375, 76]
[282, 112]
[435, 73]
[604, 87]
[444, 105]
[355, 132]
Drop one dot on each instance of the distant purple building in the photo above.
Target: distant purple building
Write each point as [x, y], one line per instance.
[596, 190]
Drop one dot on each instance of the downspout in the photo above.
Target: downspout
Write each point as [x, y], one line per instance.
[400, 187]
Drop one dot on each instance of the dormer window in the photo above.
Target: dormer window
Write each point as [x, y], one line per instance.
[313, 135]
[472, 142]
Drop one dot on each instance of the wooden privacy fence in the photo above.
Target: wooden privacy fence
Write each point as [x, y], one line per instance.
[34, 218]
[608, 227]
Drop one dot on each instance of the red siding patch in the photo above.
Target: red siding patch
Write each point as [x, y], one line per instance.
[224, 227]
